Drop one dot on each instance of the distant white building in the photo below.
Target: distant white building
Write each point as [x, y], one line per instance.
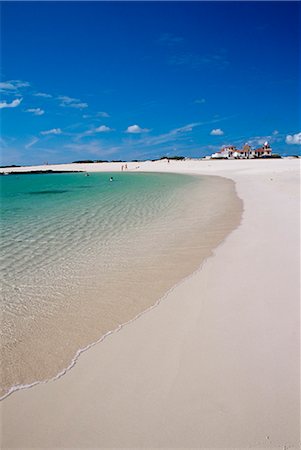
[231, 152]
[224, 153]
[265, 150]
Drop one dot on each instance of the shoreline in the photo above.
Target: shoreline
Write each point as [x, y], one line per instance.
[150, 432]
[80, 351]
[201, 238]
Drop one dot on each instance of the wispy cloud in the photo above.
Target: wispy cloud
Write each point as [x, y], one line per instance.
[7, 86]
[80, 105]
[255, 141]
[12, 86]
[200, 101]
[67, 100]
[13, 104]
[32, 142]
[36, 111]
[177, 134]
[93, 148]
[20, 84]
[42, 94]
[169, 39]
[52, 131]
[71, 102]
[103, 129]
[197, 61]
[186, 59]
[102, 114]
[216, 132]
[98, 114]
[136, 129]
[3, 142]
[293, 139]
[171, 135]
[92, 131]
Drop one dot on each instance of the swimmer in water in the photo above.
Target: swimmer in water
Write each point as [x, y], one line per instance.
[111, 179]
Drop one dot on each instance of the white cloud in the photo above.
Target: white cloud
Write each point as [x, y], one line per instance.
[52, 131]
[71, 102]
[136, 129]
[99, 114]
[103, 114]
[200, 101]
[216, 132]
[42, 94]
[185, 128]
[13, 104]
[169, 39]
[32, 142]
[80, 105]
[7, 86]
[102, 129]
[13, 85]
[36, 111]
[66, 99]
[20, 83]
[93, 148]
[293, 138]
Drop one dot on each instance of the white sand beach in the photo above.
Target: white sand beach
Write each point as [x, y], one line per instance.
[216, 364]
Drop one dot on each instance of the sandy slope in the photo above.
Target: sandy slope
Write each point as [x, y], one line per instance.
[216, 364]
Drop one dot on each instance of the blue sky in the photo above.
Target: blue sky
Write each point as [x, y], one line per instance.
[138, 80]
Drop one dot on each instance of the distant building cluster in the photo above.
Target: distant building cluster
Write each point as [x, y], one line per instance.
[231, 152]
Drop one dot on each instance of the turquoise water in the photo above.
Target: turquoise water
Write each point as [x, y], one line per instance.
[82, 255]
[44, 216]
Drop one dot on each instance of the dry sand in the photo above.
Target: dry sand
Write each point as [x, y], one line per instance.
[214, 365]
